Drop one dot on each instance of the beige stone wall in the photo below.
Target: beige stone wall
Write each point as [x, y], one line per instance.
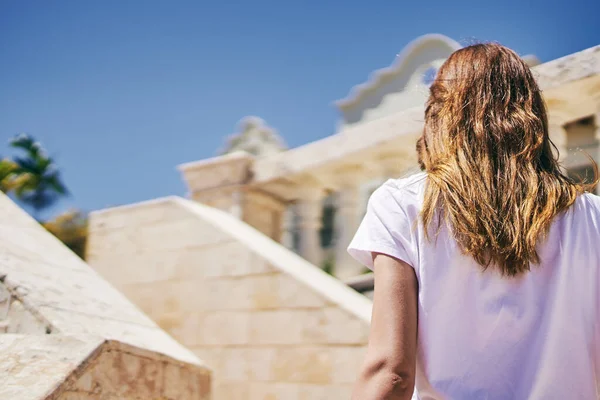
[270, 325]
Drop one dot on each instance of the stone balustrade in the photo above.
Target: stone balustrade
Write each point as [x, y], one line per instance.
[66, 334]
[270, 324]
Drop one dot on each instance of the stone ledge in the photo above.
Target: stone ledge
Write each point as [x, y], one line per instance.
[228, 170]
[564, 70]
[56, 367]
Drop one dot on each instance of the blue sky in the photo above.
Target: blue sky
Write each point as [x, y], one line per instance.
[120, 92]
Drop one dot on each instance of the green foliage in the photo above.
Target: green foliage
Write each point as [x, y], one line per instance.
[328, 265]
[71, 228]
[31, 177]
[7, 175]
[38, 180]
[34, 180]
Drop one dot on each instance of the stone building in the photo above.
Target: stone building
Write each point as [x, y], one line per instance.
[314, 205]
[235, 272]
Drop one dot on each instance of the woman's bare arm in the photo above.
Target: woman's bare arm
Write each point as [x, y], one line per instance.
[388, 372]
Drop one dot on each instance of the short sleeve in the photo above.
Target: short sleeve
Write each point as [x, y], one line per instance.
[386, 228]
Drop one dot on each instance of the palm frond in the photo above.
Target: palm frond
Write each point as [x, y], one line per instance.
[36, 179]
[22, 141]
[57, 185]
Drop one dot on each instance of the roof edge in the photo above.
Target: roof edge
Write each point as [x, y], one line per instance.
[376, 78]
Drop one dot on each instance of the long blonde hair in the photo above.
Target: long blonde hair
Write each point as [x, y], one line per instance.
[492, 173]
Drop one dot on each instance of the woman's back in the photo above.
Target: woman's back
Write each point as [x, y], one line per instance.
[487, 265]
[482, 335]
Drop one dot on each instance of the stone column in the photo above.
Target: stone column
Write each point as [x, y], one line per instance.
[219, 182]
[264, 212]
[309, 208]
[347, 220]
[287, 229]
[237, 203]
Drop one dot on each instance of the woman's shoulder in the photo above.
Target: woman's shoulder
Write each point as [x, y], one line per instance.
[402, 191]
[588, 202]
[412, 184]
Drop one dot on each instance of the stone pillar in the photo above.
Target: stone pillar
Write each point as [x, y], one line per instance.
[222, 182]
[219, 182]
[347, 220]
[237, 203]
[287, 229]
[264, 212]
[309, 208]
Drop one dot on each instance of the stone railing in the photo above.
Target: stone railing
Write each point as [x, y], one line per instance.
[65, 333]
[270, 324]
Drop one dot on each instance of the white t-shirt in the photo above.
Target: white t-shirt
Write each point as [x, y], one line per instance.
[483, 336]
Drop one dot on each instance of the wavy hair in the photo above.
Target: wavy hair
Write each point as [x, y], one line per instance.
[493, 173]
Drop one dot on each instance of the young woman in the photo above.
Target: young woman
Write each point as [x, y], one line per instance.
[487, 263]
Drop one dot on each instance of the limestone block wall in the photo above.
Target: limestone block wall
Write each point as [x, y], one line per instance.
[271, 325]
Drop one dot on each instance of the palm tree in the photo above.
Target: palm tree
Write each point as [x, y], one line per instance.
[36, 179]
[7, 176]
